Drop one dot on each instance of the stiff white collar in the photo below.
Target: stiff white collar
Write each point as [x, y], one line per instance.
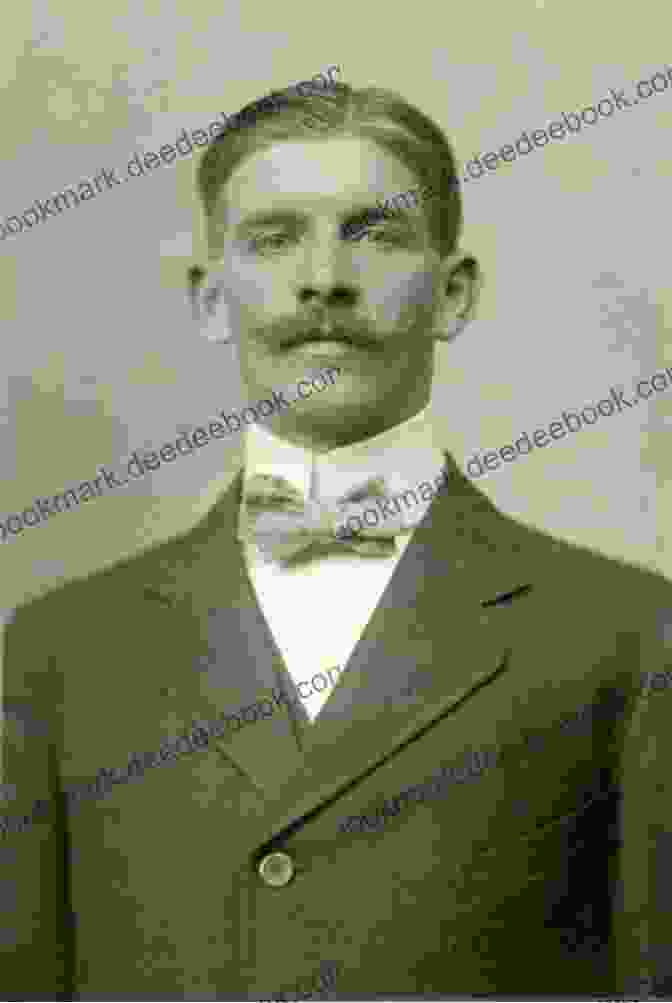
[406, 455]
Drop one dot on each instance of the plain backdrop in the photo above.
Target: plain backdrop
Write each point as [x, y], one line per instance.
[101, 356]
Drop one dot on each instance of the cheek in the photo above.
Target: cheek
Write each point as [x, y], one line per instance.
[246, 292]
[257, 293]
[404, 294]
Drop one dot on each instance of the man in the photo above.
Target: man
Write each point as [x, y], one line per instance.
[478, 804]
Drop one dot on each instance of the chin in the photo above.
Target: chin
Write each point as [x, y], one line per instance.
[349, 418]
[338, 402]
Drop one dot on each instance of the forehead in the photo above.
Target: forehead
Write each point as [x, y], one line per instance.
[326, 175]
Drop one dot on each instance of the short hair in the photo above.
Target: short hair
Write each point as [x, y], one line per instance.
[337, 109]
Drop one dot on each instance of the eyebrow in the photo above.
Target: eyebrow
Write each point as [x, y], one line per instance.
[376, 214]
[271, 217]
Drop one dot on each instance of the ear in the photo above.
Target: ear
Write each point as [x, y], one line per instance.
[207, 304]
[461, 283]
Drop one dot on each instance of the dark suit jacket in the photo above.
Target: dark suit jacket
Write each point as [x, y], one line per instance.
[546, 872]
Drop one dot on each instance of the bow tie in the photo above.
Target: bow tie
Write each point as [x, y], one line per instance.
[276, 518]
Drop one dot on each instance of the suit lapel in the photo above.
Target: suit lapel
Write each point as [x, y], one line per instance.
[202, 581]
[430, 614]
[440, 616]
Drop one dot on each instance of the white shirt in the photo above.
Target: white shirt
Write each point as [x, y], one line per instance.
[317, 611]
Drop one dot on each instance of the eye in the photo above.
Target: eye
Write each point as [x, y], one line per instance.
[381, 235]
[269, 242]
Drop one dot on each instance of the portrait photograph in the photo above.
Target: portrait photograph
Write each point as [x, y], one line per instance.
[336, 621]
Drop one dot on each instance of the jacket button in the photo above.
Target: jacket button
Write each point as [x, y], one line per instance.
[276, 869]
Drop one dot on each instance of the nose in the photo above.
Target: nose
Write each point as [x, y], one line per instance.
[332, 295]
[325, 276]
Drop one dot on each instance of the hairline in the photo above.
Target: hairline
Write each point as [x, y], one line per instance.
[410, 130]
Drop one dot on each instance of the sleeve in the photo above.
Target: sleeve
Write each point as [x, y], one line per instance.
[34, 947]
[643, 906]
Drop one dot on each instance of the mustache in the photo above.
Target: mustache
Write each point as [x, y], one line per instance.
[291, 332]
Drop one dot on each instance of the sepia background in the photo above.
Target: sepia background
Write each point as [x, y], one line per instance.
[101, 355]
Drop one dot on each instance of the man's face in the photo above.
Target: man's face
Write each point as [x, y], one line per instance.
[304, 290]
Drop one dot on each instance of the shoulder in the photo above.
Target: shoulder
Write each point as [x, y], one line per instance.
[609, 580]
[112, 589]
[627, 606]
[64, 609]
[579, 571]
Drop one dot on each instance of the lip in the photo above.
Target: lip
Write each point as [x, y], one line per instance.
[317, 334]
[325, 346]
